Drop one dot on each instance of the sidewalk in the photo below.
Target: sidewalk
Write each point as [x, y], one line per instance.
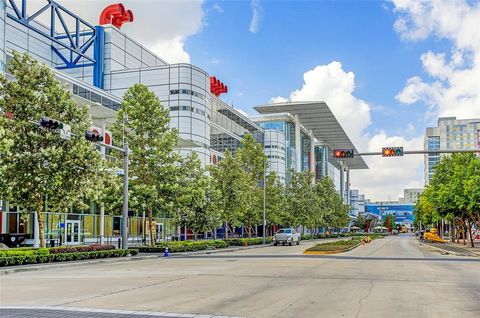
[141, 256]
[458, 249]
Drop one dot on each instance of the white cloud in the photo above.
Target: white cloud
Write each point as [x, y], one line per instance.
[330, 83]
[386, 176]
[257, 12]
[172, 51]
[278, 99]
[162, 26]
[453, 88]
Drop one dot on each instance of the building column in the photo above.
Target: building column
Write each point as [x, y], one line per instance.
[312, 155]
[347, 186]
[298, 145]
[342, 182]
[325, 161]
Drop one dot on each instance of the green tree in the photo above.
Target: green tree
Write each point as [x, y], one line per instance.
[452, 193]
[41, 164]
[389, 222]
[360, 221]
[231, 180]
[300, 199]
[274, 200]
[334, 211]
[253, 161]
[143, 122]
[198, 199]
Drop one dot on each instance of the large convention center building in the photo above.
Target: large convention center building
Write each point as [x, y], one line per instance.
[98, 63]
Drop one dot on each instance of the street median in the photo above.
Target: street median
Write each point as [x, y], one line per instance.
[337, 246]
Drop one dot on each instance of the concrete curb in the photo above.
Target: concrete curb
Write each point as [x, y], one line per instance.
[114, 312]
[141, 256]
[33, 267]
[331, 252]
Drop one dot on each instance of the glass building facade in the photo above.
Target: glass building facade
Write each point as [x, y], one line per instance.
[206, 124]
[449, 134]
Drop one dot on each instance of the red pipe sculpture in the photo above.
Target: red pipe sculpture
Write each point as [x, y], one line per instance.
[116, 15]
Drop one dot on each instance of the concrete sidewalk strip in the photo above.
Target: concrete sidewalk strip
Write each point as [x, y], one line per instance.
[54, 311]
[452, 249]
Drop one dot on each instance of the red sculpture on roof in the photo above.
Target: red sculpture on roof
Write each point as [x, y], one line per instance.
[217, 87]
[116, 14]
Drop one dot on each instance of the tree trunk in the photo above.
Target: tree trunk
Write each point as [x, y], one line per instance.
[150, 226]
[226, 230]
[41, 227]
[249, 231]
[457, 233]
[472, 244]
[452, 232]
[463, 232]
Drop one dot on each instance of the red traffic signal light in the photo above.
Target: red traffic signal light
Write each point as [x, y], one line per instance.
[343, 153]
[392, 151]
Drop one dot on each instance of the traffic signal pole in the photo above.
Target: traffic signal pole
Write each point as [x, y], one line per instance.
[124, 152]
[420, 152]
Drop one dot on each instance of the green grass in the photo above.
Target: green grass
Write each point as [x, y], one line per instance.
[334, 246]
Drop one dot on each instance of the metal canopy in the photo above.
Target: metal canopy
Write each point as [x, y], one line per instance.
[318, 117]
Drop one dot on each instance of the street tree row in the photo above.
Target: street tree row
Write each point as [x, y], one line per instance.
[454, 195]
[42, 172]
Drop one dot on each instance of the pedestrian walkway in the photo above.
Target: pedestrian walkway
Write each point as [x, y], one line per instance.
[61, 312]
[459, 249]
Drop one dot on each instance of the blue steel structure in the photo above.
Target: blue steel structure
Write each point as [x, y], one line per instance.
[75, 48]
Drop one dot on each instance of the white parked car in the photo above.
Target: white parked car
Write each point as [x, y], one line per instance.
[286, 236]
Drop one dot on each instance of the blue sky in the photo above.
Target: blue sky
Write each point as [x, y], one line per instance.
[387, 69]
[294, 37]
[412, 61]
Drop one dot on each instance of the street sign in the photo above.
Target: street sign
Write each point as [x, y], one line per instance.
[65, 132]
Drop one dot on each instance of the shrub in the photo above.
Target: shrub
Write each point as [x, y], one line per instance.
[62, 257]
[82, 248]
[191, 246]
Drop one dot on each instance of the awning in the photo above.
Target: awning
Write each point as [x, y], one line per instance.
[318, 117]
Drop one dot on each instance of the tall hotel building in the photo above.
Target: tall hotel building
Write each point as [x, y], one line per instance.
[450, 134]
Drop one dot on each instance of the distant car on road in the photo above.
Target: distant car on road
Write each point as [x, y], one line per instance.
[286, 236]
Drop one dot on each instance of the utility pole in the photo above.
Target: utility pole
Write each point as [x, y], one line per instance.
[125, 189]
[125, 197]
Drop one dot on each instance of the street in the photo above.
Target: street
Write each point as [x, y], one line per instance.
[393, 277]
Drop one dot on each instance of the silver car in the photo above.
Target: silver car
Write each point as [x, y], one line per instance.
[286, 236]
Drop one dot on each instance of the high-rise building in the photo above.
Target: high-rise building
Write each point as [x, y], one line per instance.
[411, 195]
[450, 134]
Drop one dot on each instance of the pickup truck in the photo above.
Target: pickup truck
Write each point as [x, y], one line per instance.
[286, 236]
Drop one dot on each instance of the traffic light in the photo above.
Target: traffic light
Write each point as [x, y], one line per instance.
[343, 153]
[93, 136]
[50, 123]
[392, 151]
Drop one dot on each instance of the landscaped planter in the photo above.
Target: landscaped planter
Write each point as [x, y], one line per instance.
[34, 256]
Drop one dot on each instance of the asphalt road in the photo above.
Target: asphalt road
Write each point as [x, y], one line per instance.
[391, 277]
